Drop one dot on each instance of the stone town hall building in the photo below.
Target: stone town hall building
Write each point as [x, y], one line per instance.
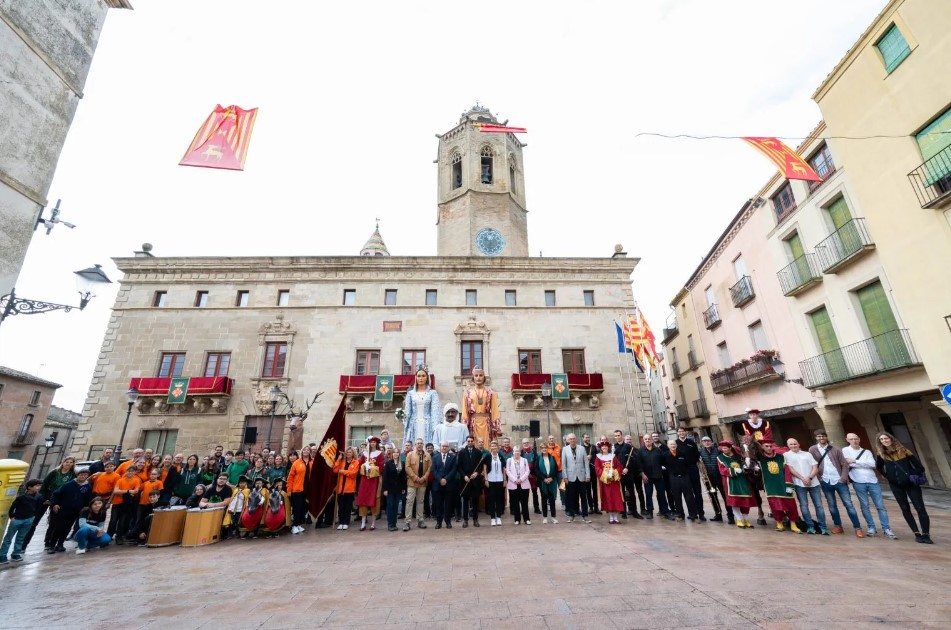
[238, 326]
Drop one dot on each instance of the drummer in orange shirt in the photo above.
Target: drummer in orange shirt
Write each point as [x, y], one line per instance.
[124, 504]
[105, 482]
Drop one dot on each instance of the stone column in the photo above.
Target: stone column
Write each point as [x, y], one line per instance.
[832, 422]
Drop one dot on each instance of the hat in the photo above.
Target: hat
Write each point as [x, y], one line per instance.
[243, 478]
[450, 407]
[773, 442]
[604, 443]
[261, 479]
[726, 443]
[752, 410]
[706, 438]
[373, 438]
[82, 469]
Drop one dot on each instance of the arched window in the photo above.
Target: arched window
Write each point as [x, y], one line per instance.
[486, 164]
[456, 174]
[513, 170]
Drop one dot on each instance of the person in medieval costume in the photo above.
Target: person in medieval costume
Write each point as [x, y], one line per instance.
[370, 489]
[756, 426]
[421, 411]
[239, 499]
[779, 487]
[277, 515]
[480, 409]
[253, 515]
[608, 469]
[736, 483]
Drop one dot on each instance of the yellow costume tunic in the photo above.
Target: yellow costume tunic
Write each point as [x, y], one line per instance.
[480, 413]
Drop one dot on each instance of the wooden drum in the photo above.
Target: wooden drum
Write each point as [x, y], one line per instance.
[202, 527]
[166, 527]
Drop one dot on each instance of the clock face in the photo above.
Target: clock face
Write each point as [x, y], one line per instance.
[490, 242]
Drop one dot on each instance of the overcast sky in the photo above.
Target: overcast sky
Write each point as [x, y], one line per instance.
[350, 97]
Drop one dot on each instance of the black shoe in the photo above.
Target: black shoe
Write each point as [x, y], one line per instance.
[391, 528]
[717, 519]
[637, 516]
[649, 516]
[926, 538]
[475, 523]
[702, 518]
[448, 525]
[51, 551]
[458, 519]
[761, 521]
[60, 548]
[624, 515]
[438, 525]
[465, 524]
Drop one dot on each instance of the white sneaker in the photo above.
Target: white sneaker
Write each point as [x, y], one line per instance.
[80, 551]
[891, 534]
[518, 523]
[528, 522]
[497, 521]
[554, 520]
[545, 521]
[346, 527]
[586, 519]
[571, 519]
[870, 532]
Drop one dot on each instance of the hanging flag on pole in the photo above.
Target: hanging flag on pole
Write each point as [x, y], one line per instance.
[222, 141]
[624, 344]
[322, 478]
[790, 163]
[487, 128]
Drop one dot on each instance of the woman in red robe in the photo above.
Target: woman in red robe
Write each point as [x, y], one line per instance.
[369, 491]
[608, 468]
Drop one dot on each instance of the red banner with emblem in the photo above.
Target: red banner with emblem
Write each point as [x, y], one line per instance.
[222, 141]
[487, 128]
[789, 163]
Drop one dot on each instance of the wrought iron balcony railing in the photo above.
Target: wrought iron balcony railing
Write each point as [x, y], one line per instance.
[881, 353]
[671, 331]
[932, 180]
[799, 275]
[692, 359]
[742, 292]
[700, 408]
[675, 366]
[739, 376]
[682, 412]
[24, 439]
[711, 317]
[844, 245]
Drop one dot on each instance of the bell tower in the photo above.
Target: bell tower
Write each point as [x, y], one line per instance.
[481, 190]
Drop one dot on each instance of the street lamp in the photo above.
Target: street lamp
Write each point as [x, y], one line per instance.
[780, 369]
[86, 282]
[131, 397]
[276, 395]
[48, 443]
[546, 394]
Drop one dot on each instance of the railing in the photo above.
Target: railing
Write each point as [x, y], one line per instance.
[24, 439]
[843, 245]
[932, 180]
[700, 409]
[799, 275]
[675, 366]
[711, 317]
[739, 376]
[888, 351]
[197, 385]
[692, 359]
[742, 291]
[670, 333]
[682, 413]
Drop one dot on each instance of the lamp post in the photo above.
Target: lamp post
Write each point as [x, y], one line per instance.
[276, 394]
[546, 394]
[780, 369]
[86, 281]
[131, 397]
[48, 443]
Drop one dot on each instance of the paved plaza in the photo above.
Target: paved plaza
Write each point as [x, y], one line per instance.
[641, 574]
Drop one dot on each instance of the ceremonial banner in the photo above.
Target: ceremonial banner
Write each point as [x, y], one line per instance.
[322, 478]
[559, 387]
[790, 163]
[177, 391]
[384, 388]
[222, 141]
[486, 128]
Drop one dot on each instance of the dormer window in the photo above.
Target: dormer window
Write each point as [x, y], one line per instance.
[487, 165]
[456, 161]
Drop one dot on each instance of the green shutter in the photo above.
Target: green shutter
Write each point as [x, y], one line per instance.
[893, 47]
[888, 342]
[848, 239]
[833, 360]
[839, 211]
[932, 140]
[795, 246]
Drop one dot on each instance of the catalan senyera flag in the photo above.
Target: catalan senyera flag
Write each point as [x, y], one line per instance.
[487, 128]
[322, 478]
[790, 163]
[648, 344]
[222, 141]
[641, 341]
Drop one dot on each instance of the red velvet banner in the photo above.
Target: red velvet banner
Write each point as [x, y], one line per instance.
[351, 384]
[580, 382]
[197, 385]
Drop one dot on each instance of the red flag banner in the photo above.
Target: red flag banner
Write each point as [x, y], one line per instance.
[486, 128]
[222, 141]
[322, 478]
[789, 163]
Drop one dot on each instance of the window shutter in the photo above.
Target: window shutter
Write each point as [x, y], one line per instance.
[825, 334]
[795, 246]
[839, 211]
[878, 314]
[893, 47]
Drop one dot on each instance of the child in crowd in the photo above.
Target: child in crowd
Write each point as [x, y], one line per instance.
[195, 499]
[92, 521]
[278, 512]
[124, 504]
[154, 483]
[253, 515]
[104, 483]
[235, 507]
[66, 504]
[22, 512]
[140, 533]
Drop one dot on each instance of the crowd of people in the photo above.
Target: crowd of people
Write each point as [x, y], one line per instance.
[459, 478]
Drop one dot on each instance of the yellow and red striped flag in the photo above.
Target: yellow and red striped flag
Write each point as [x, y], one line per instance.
[790, 163]
[222, 141]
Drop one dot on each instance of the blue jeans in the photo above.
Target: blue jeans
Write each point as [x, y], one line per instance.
[804, 494]
[841, 489]
[86, 537]
[392, 505]
[865, 490]
[17, 528]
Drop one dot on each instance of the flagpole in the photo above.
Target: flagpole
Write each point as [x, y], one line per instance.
[631, 388]
[627, 412]
[634, 374]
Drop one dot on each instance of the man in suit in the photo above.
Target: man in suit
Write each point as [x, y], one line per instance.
[419, 464]
[574, 468]
[687, 447]
[631, 469]
[471, 466]
[444, 485]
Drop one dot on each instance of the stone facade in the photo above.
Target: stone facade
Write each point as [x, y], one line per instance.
[24, 404]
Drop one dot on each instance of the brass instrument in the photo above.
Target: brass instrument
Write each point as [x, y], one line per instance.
[711, 489]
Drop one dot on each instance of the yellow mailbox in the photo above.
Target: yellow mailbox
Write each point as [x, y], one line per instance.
[12, 474]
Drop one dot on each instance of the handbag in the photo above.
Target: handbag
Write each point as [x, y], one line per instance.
[916, 476]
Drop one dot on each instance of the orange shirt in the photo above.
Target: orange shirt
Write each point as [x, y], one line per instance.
[124, 466]
[142, 476]
[295, 480]
[124, 484]
[104, 483]
[163, 475]
[148, 487]
[347, 482]
[555, 451]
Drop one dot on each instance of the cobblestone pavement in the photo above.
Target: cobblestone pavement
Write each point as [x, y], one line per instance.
[641, 574]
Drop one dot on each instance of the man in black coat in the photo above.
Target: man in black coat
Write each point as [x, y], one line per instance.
[651, 459]
[444, 485]
[687, 447]
[708, 456]
[678, 470]
[630, 466]
[471, 468]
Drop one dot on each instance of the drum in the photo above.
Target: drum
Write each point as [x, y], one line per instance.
[202, 527]
[166, 527]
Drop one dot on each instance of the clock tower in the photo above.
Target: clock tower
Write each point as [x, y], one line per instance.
[481, 190]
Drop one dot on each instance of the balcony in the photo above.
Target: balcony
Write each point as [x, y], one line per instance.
[682, 413]
[755, 369]
[23, 439]
[882, 353]
[692, 359]
[742, 292]
[844, 245]
[675, 366]
[711, 317]
[799, 275]
[203, 395]
[932, 180]
[670, 332]
[700, 408]
[584, 392]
